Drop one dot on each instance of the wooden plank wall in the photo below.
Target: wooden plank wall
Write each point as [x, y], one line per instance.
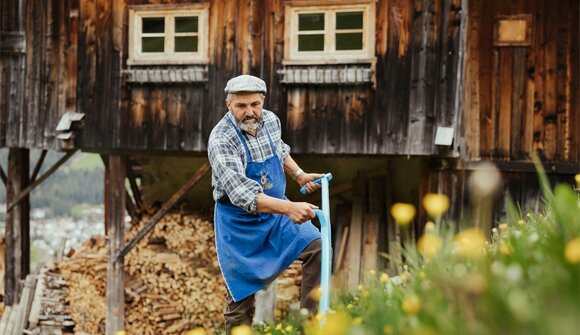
[247, 36]
[48, 83]
[522, 99]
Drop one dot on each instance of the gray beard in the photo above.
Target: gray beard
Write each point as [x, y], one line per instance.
[249, 126]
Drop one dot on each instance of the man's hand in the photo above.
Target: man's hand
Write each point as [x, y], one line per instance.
[300, 212]
[307, 178]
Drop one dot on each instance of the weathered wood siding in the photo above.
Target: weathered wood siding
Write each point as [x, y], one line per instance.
[522, 99]
[39, 84]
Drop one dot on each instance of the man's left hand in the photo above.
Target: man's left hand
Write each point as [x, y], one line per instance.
[307, 178]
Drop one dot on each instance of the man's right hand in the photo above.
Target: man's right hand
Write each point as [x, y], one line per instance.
[300, 212]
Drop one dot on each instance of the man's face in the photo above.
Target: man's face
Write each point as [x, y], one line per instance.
[247, 109]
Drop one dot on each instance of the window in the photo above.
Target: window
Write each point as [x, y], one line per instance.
[162, 35]
[326, 34]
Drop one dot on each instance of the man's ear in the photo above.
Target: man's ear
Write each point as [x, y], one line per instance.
[228, 103]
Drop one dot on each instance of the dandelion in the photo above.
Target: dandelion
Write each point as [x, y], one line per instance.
[436, 204]
[577, 178]
[372, 272]
[520, 222]
[572, 251]
[429, 245]
[336, 324]
[384, 278]
[120, 332]
[470, 243]
[242, 330]
[196, 331]
[429, 227]
[411, 304]
[505, 249]
[288, 328]
[403, 213]
[316, 293]
[349, 306]
[278, 327]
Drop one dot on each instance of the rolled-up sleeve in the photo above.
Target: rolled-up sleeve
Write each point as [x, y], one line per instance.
[229, 172]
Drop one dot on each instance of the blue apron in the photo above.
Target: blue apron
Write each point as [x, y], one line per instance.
[253, 249]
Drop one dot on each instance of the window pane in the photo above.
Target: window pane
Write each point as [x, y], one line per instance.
[311, 42]
[152, 44]
[313, 21]
[350, 20]
[153, 25]
[186, 44]
[349, 41]
[187, 24]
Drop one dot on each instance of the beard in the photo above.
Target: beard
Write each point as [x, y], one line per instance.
[249, 124]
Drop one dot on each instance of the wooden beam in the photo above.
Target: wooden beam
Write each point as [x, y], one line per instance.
[115, 221]
[3, 175]
[47, 174]
[17, 256]
[164, 209]
[38, 166]
[134, 187]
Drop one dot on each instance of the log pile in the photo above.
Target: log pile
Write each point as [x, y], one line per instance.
[50, 307]
[288, 290]
[172, 281]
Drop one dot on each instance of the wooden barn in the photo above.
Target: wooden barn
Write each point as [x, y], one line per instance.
[397, 98]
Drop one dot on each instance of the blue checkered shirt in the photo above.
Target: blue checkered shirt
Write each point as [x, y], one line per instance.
[227, 157]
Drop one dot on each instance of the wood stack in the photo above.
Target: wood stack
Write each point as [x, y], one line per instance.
[172, 282]
[288, 289]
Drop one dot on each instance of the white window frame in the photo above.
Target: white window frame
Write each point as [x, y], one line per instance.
[169, 56]
[330, 55]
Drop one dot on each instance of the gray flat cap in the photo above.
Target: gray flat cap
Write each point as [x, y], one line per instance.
[245, 83]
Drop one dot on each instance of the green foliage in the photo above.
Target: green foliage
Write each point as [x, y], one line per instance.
[526, 280]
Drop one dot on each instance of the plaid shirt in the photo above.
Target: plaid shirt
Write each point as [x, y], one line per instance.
[227, 157]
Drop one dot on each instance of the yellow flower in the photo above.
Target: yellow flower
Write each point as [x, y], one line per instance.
[429, 245]
[403, 213]
[242, 330]
[520, 222]
[278, 327]
[475, 283]
[365, 293]
[360, 287]
[120, 332]
[470, 242]
[577, 178]
[316, 293]
[572, 251]
[372, 272]
[196, 331]
[429, 227]
[436, 204]
[357, 321]
[384, 278]
[336, 324]
[505, 249]
[411, 305]
[288, 328]
[349, 306]
[388, 330]
[502, 226]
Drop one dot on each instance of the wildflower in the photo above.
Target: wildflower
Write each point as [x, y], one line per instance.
[429, 227]
[336, 324]
[316, 293]
[505, 249]
[372, 272]
[572, 251]
[357, 321]
[502, 226]
[360, 287]
[475, 283]
[288, 328]
[411, 304]
[388, 330]
[422, 275]
[429, 245]
[403, 213]
[120, 332]
[470, 242]
[242, 330]
[520, 222]
[384, 278]
[278, 327]
[436, 204]
[196, 331]
[349, 306]
[365, 294]
[577, 178]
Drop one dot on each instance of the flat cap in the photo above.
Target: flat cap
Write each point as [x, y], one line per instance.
[245, 83]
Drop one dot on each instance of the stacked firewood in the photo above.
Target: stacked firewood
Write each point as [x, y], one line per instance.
[172, 280]
[288, 290]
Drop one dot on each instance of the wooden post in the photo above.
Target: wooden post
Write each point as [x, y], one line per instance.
[115, 222]
[17, 257]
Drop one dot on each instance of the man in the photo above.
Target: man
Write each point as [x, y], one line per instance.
[258, 231]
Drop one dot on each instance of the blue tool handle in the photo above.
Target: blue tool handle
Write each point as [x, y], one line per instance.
[324, 304]
[328, 176]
